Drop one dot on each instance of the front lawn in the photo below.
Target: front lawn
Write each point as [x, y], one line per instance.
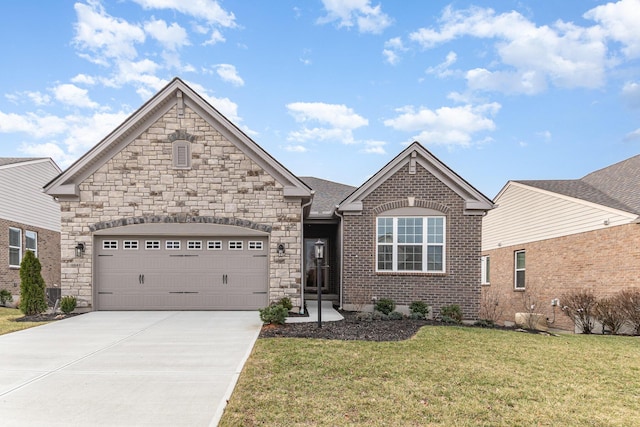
[8, 323]
[453, 376]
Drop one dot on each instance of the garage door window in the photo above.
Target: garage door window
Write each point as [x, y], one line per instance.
[130, 245]
[152, 245]
[235, 245]
[172, 245]
[255, 246]
[110, 244]
[194, 245]
[214, 245]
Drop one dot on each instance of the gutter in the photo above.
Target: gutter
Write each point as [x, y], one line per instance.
[341, 247]
[302, 251]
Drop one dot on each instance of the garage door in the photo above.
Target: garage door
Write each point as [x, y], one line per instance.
[181, 273]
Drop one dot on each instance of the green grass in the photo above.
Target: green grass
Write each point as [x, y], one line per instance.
[449, 376]
[7, 323]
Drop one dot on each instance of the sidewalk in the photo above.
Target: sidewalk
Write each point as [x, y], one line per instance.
[329, 314]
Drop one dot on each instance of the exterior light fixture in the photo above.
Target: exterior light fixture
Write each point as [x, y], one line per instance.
[319, 246]
[79, 250]
[280, 249]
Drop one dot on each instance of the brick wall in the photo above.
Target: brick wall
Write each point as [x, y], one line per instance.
[48, 254]
[460, 284]
[140, 181]
[604, 261]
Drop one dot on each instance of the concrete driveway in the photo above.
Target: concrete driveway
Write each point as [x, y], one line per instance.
[125, 368]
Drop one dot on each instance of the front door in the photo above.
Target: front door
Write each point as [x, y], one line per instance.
[310, 272]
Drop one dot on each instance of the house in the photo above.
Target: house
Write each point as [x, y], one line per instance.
[29, 220]
[179, 209]
[549, 237]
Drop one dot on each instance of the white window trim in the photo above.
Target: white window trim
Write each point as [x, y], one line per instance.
[425, 245]
[516, 270]
[255, 245]
[485, 270]
[238, 243]
[130, 245]
[194, 245]
[152, 245]
[35, 238]
[106, 245]
[175, 245]
[19, 248]
[214, 245]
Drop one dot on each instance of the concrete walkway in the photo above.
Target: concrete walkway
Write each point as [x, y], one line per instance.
[328, 313]
[125, 369]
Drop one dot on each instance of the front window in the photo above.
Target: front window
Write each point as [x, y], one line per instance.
[486, 270]
[411, 244]
[519, 270]
[31, 241]
[15, 247]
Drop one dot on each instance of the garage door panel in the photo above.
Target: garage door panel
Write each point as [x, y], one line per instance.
[204, 273]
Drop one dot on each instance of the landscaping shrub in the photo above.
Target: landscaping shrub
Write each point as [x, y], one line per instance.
[395, 315]
[416, 316]
[630, 300]
[33, 298]
[580, 307]
[485, 323]
[274, 314]
[490, 308]
[364, 316]
[451, 313]
[68, 304]
[286, 303]
[385, 305]
[419, 307]
[5, 296]
[378, 315]
[610, 312]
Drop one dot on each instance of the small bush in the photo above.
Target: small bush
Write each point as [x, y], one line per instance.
[378, 315]
[396, 315]
[286, 303]
[68, 304]
[610, 312]
[630, 300]
[5, 296]
[580, 307]
[485, 323]
[419, 307]
[416, 316]
[274, 314]
[363, 316]
[451, 313]
[385, 305]
[33, 298]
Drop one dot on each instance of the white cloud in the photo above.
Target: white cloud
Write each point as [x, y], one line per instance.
[631, 94]
[360, 13]
[620, 23]
[216, 37]
[209, 10]
[564, 54]
[374, 147]
[296, 148]
[546, 135]
[392, 49]
[229, 74]
[446, 125]
[442, 69]
[335, 115]
[633, 136]
[32, 124]
[48, 149]
[171, 37]
[83, 79]
[70, 94]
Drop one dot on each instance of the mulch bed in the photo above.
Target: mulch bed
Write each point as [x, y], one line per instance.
[45, 317]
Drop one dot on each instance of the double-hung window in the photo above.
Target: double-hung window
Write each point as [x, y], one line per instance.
[31, 241]
[486, 270]
[15, 247]
[519, 270]
[411, 244]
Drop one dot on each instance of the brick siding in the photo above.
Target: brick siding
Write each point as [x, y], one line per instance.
[460, 284]
[604, 261]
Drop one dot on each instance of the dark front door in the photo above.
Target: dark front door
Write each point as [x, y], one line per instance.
[310, 271]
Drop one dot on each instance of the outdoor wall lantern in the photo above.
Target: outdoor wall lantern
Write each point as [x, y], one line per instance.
[79, 250]
[319, 246]
[280, 249]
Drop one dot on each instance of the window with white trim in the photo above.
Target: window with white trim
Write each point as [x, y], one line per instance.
[31, 242]
[255, 245]
[130, 245]
[235, 245]
[15, 247]
[152, 245]
[109, 244]
[519, 274]
[214, 245]
[194, 245]
[181, 154]
[411, 244]
[172, 245]
[485, 270]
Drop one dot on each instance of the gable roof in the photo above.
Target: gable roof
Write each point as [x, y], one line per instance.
[327, 196]
[176, 93]
[614, 186]
[475, 201]
[4, 161]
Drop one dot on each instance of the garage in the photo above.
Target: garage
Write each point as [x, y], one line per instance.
[181, 272]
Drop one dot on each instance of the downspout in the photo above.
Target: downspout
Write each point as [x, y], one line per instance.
[302, 251]
[341, 243]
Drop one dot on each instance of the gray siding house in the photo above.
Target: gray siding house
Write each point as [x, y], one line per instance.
[179, 209]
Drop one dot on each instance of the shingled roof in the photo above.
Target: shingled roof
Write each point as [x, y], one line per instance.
[327, 195]
[616, 186]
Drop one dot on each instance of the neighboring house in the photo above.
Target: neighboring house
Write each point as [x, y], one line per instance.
[546, 238]
[179, 209]
[29, 220]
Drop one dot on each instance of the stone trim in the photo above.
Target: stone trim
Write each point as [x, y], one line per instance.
[181, 134]
[155, 219]
[417, 203]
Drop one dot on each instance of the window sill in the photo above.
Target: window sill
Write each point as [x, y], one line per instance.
[410, 273]
[519, 289]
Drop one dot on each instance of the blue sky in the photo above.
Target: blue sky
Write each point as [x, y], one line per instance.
[497, 90]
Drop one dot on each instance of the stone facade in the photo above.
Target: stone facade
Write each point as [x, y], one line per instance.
[460, 284]
[48, 254]
[604, 261]
[140, 183]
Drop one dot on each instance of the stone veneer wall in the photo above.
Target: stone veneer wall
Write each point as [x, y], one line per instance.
[223, 182]
[460, 284]
[604, 261]
[48, 254]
